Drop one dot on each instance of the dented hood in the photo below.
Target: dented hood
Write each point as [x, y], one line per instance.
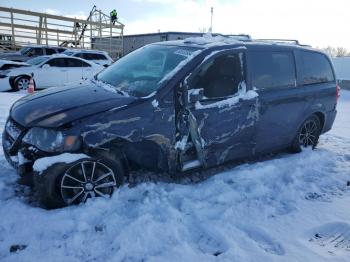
[58, 106]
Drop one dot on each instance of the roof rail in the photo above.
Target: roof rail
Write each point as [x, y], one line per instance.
[291, 41]
[242, 37]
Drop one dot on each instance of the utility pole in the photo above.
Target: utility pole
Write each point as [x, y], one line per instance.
[211, 20]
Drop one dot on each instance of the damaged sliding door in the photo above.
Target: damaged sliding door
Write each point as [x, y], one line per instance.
[219, 112]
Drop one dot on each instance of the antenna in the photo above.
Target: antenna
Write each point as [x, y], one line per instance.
[211, 19]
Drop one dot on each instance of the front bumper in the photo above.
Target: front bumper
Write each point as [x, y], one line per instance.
[20, 156]
[5, 84]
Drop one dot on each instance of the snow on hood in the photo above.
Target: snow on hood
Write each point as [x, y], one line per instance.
[9, 62]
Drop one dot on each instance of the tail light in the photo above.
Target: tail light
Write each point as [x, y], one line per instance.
[338, 92]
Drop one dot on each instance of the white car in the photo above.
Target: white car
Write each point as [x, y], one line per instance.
[96, 56]
[48, 71]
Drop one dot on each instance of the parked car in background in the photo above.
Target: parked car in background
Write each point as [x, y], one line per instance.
[173, 107]
[96, 56]
[30, 51]
[48, 71]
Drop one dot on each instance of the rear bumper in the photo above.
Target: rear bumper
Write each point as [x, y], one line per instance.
[330, 117]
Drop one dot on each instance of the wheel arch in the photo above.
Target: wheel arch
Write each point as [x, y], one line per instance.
[145, 153]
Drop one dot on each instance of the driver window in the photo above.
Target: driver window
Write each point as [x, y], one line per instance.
[56, 62]
[37, 51]
[220, 76]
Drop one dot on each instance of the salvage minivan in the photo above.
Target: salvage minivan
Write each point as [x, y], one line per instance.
[173, 107]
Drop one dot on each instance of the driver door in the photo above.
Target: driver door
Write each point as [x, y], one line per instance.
[221, 115]
[52, 73]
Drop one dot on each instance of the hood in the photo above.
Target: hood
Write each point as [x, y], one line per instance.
[10, 54]
[61, 105]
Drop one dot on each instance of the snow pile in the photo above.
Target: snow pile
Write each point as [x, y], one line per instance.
[242, 94]
[181, 144]
[155, 103]
[45, 162]
[288, 208]
[210, 40]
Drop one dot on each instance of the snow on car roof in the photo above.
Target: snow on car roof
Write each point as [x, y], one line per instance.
[207, 41]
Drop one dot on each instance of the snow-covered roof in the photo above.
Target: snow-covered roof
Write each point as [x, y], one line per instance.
[207, 41]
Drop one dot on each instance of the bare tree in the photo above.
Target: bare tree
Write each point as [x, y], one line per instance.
[336, 51]
[341, 51]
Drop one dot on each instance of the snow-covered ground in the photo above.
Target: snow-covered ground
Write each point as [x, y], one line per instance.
[292, 207]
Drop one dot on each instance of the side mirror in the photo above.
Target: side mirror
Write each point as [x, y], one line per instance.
[45, 66]
[195, 95]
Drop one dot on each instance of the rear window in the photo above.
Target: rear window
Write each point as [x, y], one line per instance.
[315, 68]
[273, 69]
[91, 56]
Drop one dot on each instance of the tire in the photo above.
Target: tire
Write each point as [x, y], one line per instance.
[21, 83]
[58, 184]
[308, 134]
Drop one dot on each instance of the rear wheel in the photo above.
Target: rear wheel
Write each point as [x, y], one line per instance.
[62, 185]
[308, 134]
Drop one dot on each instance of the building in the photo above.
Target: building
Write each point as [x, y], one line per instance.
[133, 42]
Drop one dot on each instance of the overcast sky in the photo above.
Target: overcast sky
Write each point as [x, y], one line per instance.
[316, 22]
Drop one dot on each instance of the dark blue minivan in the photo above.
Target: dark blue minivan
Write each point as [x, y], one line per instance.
[174, 107]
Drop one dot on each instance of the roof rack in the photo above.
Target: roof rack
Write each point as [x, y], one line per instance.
[240, 37]
[291, 41]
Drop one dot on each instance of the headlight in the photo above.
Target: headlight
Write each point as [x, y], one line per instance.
[5, 72]
[50, 140]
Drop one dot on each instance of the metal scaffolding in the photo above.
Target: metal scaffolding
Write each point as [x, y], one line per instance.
[21, 27]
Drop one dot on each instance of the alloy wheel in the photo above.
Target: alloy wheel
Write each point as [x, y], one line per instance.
[23, 83]
[308, 134]
[87, 179]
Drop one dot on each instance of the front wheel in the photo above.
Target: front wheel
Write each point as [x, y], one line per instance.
[21, 83]
[308, 134]
[63, 185]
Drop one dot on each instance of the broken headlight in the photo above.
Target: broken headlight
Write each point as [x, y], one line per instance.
[50, 140]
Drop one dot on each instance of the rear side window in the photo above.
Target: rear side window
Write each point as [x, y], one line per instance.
[98, 57]
[315, 68]
[50, 51]
[273, 69]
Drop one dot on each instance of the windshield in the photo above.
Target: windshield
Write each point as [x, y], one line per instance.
[37, 60]
[68, 53]
[139, 73]
[25, 50]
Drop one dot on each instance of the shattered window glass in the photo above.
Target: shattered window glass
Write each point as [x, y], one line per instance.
[221, 76]
[139, 73]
